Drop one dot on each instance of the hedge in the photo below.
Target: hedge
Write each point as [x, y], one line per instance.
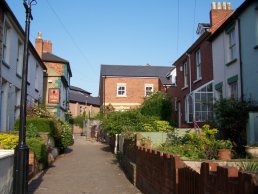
[41, 124]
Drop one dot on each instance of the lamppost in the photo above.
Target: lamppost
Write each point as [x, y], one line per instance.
[21, 155]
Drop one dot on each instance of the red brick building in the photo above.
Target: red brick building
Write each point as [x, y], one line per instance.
[193, 95]
[124, 87]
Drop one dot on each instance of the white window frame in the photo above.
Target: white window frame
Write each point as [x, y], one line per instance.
[6, 42]
[151, 91]
[19, 61]
[186, 73]
[119, 86]
[198, 62]
[232, 44]
[37, 76]
[233, 87]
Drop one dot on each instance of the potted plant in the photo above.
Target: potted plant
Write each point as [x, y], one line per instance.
[224, 149]
[252, 150]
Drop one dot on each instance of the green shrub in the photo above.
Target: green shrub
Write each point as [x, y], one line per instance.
[79, 120]
[8, 141]
[41, 124]
[157, 105]
[39, 148]
[32, 131]
[65, 137]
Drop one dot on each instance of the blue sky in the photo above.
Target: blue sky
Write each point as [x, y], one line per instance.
[89, 33]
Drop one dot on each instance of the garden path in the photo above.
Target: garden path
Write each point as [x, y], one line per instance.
[87, 168]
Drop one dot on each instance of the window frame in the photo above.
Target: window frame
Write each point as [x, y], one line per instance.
[231, 44]
[233, 88]
[118, 89]
[6, 42]
[186, 74]
[198, 62]
[19, 60]
[148, 86]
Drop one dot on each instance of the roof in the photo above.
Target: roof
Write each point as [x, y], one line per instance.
[49, 57]
[79, 90]
[137, 71]
[233, 17]
[6, 7]
[77, 96]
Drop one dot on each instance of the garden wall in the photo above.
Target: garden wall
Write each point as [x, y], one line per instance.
[163, 173]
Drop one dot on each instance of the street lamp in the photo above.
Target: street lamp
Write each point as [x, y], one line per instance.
[21, 155]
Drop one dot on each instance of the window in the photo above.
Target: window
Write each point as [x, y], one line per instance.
[233, 90]
[198, 64]
[121, 89]
[233, 86]
[36, 77]
[199, 104]
[6, 42]
[186, 71]
[19, 58]
[232, 44]
[148, 89]
[219, 90]
[204, 103]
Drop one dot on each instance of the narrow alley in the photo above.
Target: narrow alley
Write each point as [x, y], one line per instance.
[88, 168]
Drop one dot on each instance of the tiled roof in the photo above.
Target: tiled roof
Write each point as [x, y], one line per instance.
[77, 96]
[79, 89]
[137, 71]
[53, 58]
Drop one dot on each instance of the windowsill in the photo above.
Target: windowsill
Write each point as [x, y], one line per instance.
[121, 96]
[195, 81]
[184, 88]
[256, 47]
[18, 75]
[231, 62]
[6, 65]
[36, 90]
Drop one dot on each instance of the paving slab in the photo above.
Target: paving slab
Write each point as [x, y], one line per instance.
[88, 167]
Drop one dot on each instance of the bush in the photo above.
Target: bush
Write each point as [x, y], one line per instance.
[157, 105]
[65, 136]
[39, 148]
[8, 141]
[79, 120]
[41, 124]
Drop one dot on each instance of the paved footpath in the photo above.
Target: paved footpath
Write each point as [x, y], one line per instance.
[89, 168]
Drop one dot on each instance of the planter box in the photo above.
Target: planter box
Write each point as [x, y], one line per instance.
[6, 170]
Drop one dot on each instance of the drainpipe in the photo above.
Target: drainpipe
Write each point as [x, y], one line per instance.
[103, 90]
[240, 59]
[190, 84]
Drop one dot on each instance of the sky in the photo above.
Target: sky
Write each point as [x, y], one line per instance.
[89, 33]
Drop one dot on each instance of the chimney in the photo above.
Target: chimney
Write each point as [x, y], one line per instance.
[47, 46]
[42, 46]
[219, 13]
[39, 44]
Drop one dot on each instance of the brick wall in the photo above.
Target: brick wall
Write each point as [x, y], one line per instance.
[135, 90]
[163, 173]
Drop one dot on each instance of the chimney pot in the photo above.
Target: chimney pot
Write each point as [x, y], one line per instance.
[213, 5]
[39, 35]
[229, 5]
[218, 5]
[224, 5]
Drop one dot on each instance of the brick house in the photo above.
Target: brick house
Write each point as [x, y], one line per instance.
[124, 87]
[81, 101]
[56, 79]
[193, 95]
[11, 66]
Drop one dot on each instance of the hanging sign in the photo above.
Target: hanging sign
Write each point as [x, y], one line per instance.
[53, 95]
